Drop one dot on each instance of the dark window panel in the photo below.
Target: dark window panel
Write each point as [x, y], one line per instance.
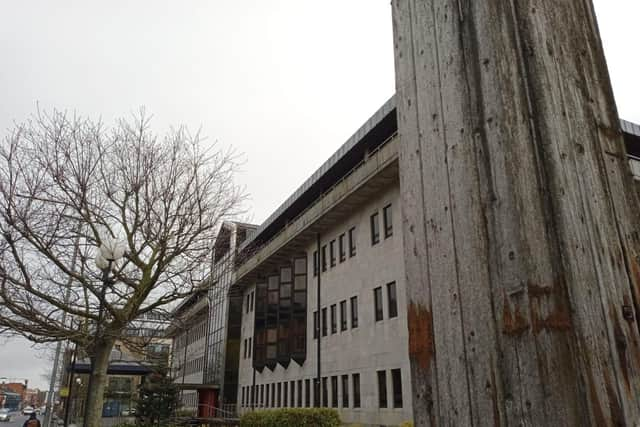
[387, 219]
[354, 312]
[396, 380]
[343, 315]
[266, 402]
[382, 389]
[307, 393]
[316, 263]
[392, 299]
[352, 242]
[332, 253]
[316, 326]
[356, 390]
[375, 228]
[325, 392]
[377, 297]
[334, 319]
[334, 391]
[324, 322]
[345, 391]
[342, 253]
[273, 395]
[299, 405]
[292, 393]
[324, 258]
[285, 394]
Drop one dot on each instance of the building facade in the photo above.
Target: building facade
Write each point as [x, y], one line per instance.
[322, 288]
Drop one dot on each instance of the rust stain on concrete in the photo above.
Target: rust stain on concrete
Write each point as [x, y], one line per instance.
[513, 323]
[420, 322]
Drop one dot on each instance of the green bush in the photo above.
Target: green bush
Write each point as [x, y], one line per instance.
[304, 417]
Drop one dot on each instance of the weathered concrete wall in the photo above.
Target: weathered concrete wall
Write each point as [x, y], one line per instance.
[519, 216]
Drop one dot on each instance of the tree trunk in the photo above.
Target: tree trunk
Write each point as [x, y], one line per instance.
[93, 409]
[519, 216]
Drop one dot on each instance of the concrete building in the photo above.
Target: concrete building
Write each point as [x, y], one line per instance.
[322, 287]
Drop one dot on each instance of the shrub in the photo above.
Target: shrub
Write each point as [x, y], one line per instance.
[407, 424]
[304, 417]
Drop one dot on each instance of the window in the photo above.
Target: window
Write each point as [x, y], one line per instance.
[343, 315]
[285, 394]
[299, 394]
[243, 397]
[334, 391]
[316, 263]
[356, 390]
[352, 242]
[247, 303]
[307, 393]
[382, 389]
[334, 319]
[316, 326]
[253, 294]
[345, 391]
[325, 392]
[332, 253]
[324, 322]
[292, 386]
[324, 258]
[387, 220]
[273, 395]
[392, 299]
[266, 401]
[375, 229]
[261, 394]
[316, 392]
[354, 312]
[244, 343]
[342, 251]
[377, 301]
[396, 381]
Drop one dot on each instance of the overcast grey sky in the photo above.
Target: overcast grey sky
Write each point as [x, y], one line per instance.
[285, 82]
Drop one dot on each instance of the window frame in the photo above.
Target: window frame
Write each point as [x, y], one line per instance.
[334, 391]
[354, 311]
[332, 253]
[396, 388]
[378, 306]
[334, 319]
[374, 222]
[387, 221]
[392, 299]
[352, 242]
[343, 315]
[383, 399]
[323, 324]
[342, 251]
[345, 390]
[355, 381]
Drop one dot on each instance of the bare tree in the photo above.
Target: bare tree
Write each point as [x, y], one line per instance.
[67, 185]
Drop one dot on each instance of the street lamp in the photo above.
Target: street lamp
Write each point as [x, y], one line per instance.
[110, 251]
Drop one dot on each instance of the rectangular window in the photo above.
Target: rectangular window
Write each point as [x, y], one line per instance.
[345, 391]
[377, 302]
[253, 298]
[392, 299]
[342, 251]
[316, 263]
[324, 322]
[332, 253]
[247, 303]
[382, 389]
[324, 258]
[396, 381]
[375, 229]
[261, 395]
[243, 396]
[266, 401]
[285, 394]
[356, 390]
[387, 219]
[334, 391]
[316, 326]
[250, 345]
[354, 312]
[273, 395]
[325, 392]
[352, 242]
[316, 392]
[343, 315]
[334, 319]
[299, 394]
[307, 393]
[292, 393]
[244, 345]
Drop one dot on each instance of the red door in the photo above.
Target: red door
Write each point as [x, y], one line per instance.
[206, 403]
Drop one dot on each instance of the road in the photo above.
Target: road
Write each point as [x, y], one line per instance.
[17, 420]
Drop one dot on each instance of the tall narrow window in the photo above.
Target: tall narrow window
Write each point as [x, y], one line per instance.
[279, 401]
[392, 299]
[250, 345]
[244, 345]
[387, 220]
[307, 393]
[324, 322]
[334, 319]
[352, 242]
[396, 381]
[299, 405]
[261, 395]
[332, 253]
[345, 391]
[242, 397]
[316, 392]
[285, 394]
[316, 263]
[266, 400]
[382, 389]
[273, 395]
[342, 251]
[325, 392]
[253, 299]
[377, 301]
[375, 229]
[247, 303]
[324, 258]
[334, 391]
[354, 312]
[292, 393]
[316, 326]
[343, 315]
[356, 390]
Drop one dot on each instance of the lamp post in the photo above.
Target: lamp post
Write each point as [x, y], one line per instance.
[110, 251]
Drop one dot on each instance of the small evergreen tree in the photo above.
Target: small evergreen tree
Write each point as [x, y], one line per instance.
[157, 400]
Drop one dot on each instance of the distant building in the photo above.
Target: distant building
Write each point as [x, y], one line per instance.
[15, 387]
